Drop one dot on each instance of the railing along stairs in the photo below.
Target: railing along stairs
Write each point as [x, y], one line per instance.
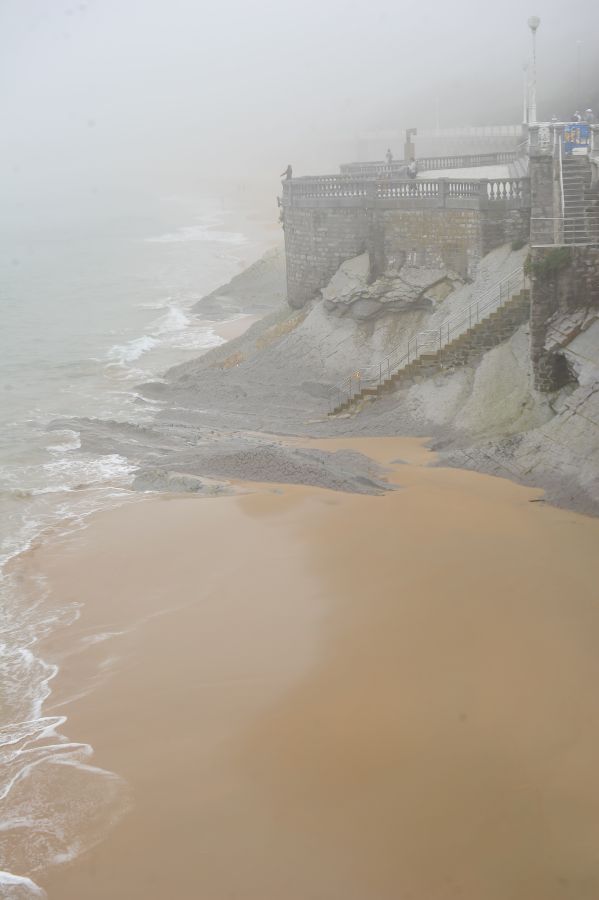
[442, 344]
[577, 206]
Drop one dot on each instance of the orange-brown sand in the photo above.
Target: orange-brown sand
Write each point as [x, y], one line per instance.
[235, 328]
[339, 696]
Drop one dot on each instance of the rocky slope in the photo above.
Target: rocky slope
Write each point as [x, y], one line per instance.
[218, 412]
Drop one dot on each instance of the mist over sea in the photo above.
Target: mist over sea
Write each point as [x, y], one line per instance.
[87, 312]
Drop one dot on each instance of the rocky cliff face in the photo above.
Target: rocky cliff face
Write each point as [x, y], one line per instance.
[350, 291]
[218, 412]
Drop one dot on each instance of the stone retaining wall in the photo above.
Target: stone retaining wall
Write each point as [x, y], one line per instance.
[432, 238]
[574, 287]
[319, 239]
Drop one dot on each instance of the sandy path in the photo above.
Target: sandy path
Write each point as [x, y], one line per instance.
[340, 696]
[235, 328]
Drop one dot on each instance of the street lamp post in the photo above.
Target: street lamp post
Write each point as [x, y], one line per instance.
[578, 73]
[525, 94]
[533, 24]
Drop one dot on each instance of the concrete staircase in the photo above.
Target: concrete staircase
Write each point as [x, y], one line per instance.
[580, 212]
[495, 321]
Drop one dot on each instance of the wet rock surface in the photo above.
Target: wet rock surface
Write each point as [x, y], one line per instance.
[224, 415]
[257, 290]
[179, 457]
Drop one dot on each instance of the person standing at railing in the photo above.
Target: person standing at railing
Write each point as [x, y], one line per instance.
[412, 169]
[288, 173]
[389, 156]
[589, 117]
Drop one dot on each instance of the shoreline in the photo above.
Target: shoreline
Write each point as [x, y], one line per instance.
[252, 614]
[114, 688]
[44, 740]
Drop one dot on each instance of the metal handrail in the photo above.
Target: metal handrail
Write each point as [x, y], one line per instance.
[561, 182]
[430, 342]
[582, 229]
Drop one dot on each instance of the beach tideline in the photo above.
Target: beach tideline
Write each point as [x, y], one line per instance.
[314, 694]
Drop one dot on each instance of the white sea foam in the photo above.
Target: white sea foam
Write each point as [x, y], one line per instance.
[202, 338]
[132, 350]
[175, 330]
[72, 442]
[87, 470]
[32, 745]
[175, 319]
[18, 887]
[203, 233]
[157, 304]
[40, 492]
[101, 637]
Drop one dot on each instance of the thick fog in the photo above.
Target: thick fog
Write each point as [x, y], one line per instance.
[110, 97]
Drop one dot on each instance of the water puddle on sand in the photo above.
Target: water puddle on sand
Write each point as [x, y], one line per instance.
[344, 696]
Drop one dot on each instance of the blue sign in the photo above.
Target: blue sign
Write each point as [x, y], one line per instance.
[577, 136]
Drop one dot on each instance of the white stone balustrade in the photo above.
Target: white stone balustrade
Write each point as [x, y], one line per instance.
[433, 163]
[392, 192]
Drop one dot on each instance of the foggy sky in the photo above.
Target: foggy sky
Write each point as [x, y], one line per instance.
[103, 94]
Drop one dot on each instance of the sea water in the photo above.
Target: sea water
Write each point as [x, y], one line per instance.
[86, 314]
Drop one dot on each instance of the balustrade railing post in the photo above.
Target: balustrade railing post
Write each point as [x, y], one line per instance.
[483, 192]
[443, 190]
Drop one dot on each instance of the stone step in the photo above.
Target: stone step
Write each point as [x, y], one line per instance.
[483, 335]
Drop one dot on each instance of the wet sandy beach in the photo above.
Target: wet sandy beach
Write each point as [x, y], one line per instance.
[324, 695]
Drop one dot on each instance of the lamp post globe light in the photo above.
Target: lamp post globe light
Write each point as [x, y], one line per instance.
[533, 24]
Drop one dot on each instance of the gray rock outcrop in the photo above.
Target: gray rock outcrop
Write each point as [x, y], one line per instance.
[351, 292]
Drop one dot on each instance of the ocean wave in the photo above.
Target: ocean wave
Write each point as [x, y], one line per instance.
[36, 834]
[77, 487]
[17, 493]
[37, 760]
[72, 442]
[42, 495]
[19, 887]
[176, 319]
[204, 233]
[175, 330]
[86, 470]
[202, 338]
[132, 350]
[157, 304]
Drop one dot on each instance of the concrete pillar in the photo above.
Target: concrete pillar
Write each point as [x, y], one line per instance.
[542, 197]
